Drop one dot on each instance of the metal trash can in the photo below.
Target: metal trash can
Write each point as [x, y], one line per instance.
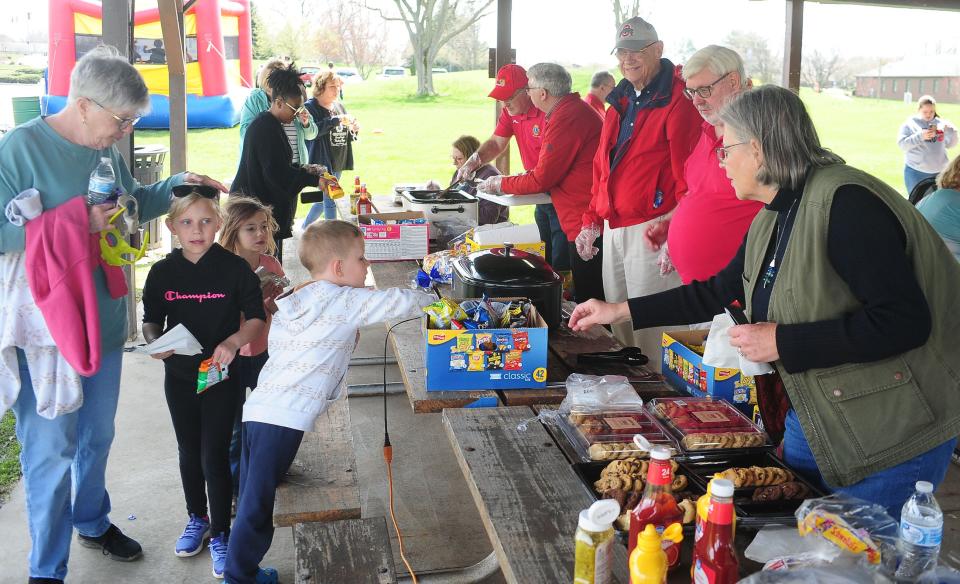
[147, 169]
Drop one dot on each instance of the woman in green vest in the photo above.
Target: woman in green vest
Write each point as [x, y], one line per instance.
[852, 294]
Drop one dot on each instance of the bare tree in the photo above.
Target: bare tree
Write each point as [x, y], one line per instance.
[430, 25]
[467, 49]
[818, 68]
[624, 10]
[350, 34]
[760, 62]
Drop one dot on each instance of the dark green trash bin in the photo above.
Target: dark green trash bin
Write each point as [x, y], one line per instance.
[25, 109]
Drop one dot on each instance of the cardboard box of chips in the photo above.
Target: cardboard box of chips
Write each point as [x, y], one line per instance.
[491, 358]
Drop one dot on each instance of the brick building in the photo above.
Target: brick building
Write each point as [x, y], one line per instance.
[938, 76]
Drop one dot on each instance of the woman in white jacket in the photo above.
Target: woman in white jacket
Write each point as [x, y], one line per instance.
[924, 139]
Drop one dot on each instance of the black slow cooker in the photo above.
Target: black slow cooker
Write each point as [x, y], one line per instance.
[508, 272]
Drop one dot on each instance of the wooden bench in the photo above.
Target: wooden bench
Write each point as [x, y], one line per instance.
[356, 551]
[321, 484]
[320, 500]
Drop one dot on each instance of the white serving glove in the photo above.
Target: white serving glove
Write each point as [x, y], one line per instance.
[469, 168]
[584, 242]
[491, 185]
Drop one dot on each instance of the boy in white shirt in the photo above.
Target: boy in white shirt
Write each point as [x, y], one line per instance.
[313, 335]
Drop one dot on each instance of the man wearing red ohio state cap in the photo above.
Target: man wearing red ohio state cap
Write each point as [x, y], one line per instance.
[520, 119]
[648, 132]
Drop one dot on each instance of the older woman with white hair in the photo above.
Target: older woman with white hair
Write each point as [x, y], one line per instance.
[852, 295]
[55, 156]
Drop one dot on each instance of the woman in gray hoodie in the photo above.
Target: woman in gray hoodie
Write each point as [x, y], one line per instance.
[924, 139]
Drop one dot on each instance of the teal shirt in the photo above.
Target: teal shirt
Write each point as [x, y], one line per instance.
[257, 103]
[33, 155]
[942, 209]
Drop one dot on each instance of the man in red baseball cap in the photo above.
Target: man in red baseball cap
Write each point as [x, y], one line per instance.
[521, 119]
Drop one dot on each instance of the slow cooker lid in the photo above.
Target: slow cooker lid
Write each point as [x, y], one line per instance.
[507, 266]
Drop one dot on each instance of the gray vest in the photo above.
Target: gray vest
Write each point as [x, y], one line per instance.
[861, 418]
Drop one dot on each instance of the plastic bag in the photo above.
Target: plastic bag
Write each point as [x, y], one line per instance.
[587, 393]
[718, 352]
[447, 230]
[839, 574]
[852, 524]
[780, 542]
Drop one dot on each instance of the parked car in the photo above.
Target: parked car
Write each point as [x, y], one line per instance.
[308, 73]
[437, 70]
[393, 72]
[349, 74]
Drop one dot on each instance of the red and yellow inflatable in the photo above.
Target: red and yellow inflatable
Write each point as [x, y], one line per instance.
[219, 51]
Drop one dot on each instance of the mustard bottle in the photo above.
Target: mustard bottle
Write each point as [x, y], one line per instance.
[648, 561]
[594, 540]
[333, 189]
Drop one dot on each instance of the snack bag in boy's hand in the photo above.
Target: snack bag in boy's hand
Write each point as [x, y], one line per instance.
[210, 373]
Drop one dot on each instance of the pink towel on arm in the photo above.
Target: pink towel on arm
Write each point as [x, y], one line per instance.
[61, 255]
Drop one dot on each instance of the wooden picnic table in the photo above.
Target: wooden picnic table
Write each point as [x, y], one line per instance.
[529, 497]
[408, 345]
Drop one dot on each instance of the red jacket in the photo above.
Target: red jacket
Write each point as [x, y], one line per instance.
[651, 160]
[565, 166]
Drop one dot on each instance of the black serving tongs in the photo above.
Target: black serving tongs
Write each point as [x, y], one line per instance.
[626, 355]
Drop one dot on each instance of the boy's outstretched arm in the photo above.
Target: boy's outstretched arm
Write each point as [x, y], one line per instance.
[393, 303]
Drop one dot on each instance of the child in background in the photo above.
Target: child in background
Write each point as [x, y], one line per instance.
[248, 229]
[208, 290]
[313, 335]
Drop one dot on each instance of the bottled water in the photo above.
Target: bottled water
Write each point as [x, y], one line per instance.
[102, 181]
[921, 530]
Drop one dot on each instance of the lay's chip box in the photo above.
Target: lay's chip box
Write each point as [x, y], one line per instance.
[488, 358]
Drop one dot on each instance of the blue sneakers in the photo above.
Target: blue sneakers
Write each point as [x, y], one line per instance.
[218, 554]
[194, 534]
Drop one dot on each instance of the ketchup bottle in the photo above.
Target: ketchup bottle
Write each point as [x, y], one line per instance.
[714, 560]
[658, 507]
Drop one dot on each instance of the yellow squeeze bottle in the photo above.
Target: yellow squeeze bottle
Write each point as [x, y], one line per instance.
[333, 190]
[648, 561]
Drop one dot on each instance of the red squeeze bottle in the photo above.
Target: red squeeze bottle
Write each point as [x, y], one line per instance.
[658, 506]
[714, 559]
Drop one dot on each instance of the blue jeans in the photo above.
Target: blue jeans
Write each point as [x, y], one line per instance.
[912, 176]
[248, 370]
[890, 487]
[68, 451]
[268, 451]
[328, 207]
[548, 224]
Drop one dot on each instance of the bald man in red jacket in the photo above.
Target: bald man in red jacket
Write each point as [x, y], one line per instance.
[565, 166]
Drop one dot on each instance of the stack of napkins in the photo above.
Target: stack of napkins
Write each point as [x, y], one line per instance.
[178, 339]
[506, 233]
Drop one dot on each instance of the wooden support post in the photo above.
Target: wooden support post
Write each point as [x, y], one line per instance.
[504, 56]
[116, 32]
[793, 45]
[171, 12]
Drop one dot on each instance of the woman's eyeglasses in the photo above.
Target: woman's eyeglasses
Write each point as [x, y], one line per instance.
[296, 110]
[706, 91]
[124, 123]
[723, 151]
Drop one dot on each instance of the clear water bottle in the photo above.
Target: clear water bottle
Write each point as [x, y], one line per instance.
[102, 181]
[921, 530]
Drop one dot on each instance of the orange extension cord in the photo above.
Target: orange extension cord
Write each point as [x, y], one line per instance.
[388, 458]
[388, 451]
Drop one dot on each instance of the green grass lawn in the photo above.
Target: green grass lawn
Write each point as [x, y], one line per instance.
[9, 456]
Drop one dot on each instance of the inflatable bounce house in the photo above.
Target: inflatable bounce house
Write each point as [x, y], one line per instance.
[219, 54]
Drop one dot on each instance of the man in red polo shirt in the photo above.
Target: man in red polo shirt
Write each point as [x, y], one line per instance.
[520, 119]
[565, 168]
[709, 223]
[648, 132]
[600, 87]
